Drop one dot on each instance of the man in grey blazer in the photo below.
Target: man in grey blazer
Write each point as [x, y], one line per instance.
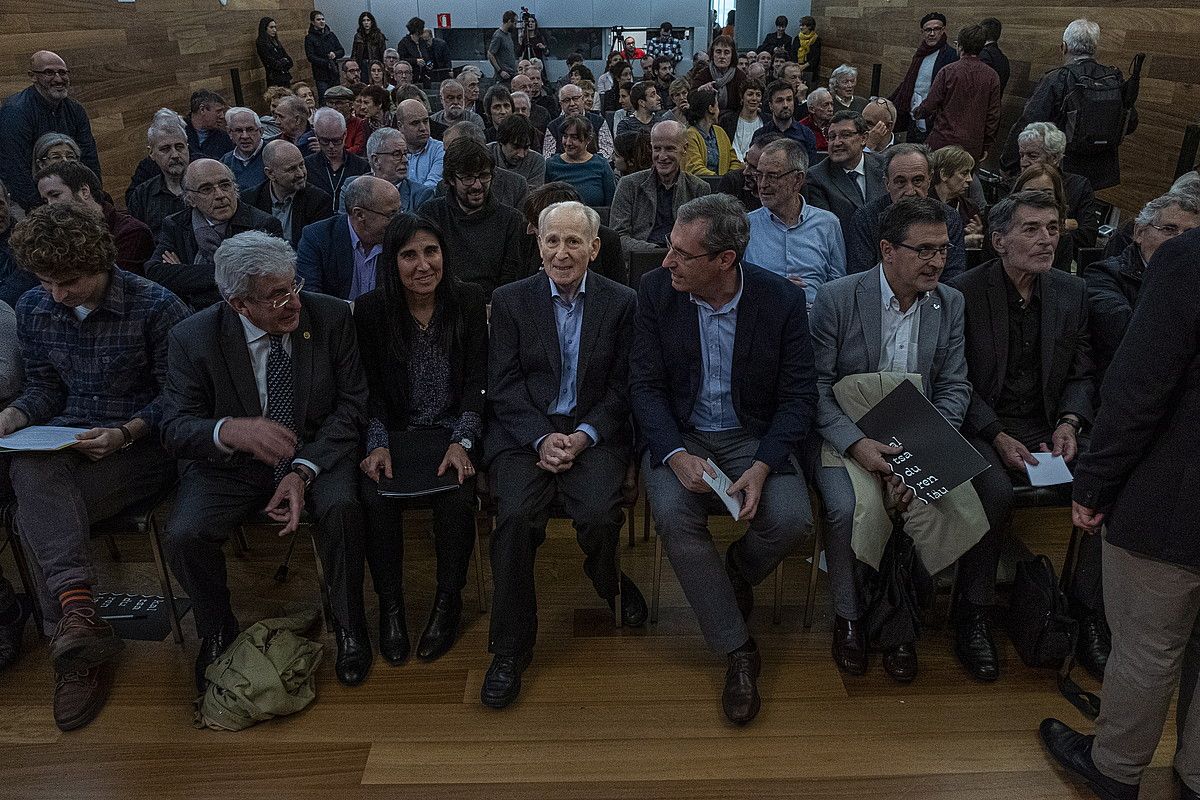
[897, 317]
[1029, 358]
[558, 427]
[265, 397]
[850, 177]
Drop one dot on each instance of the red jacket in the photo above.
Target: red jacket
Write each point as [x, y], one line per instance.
[963, 106]
[811, 124]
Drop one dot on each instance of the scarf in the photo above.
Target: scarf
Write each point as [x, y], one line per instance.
[721, 82]
[902, 97]
[805, 42]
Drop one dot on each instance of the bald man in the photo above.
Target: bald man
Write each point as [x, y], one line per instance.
[183, 255]
[337, 256]
[425, 154]
[42, 108]
[286, 194]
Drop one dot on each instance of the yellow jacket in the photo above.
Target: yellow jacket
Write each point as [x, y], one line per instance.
[695, 153]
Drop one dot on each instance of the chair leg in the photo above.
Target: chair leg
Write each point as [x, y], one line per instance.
[619, 600]
[164, 581]
[113, 551]
[631, 520]
[31, 589]
[326, 606]
[814, 572]
[656, 584]
[482, 527]
[777, 613]
[646, 519]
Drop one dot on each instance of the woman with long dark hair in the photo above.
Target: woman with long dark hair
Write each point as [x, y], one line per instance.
[422, 335]
[369, 42]
[532, 43]
[274, 58]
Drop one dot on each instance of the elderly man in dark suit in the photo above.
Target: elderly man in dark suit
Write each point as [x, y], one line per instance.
[723, 370]
[558, 426]
[183, 253]
[286, 194]
[1137, 484]
[337, 255]
[863, 324]
[849, 178]
[1029, 358]
[266, 398]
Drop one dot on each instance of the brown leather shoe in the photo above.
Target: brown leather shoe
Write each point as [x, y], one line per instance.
[82, 641]
[901, 662]
[849, 646]
[80, 694]
[740, 700]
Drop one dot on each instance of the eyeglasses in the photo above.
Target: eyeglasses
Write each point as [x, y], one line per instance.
[671, 248]
[51, 73]
[384, 214]
[208, 189]
[933, 29]
[467, 180]
[330, 142]
[927, 253]
[279, 302]
[771, 177]
[398, 154]
[1169, 230]
[842, 137]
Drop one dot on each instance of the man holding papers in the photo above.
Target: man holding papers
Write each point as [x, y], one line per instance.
[1029, 359]
[94, 342]
[722, 369]
[897, 319]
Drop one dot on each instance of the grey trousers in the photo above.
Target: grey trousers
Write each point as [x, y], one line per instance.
[1154, 612]
[783, 519]
[60, 495]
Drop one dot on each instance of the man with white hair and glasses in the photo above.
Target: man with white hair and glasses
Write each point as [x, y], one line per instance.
[266, 398]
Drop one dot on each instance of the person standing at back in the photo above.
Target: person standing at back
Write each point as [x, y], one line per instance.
[991, 54]
[322, 49]
[369, 42]
[271, 53]
[502, 51]
[933, 54]
[963, 105]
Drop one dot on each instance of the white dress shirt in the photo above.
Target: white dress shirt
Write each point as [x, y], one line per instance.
[898, 331]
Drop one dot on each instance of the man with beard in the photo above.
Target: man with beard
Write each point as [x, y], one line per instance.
[454, 107]
[286, 195]
[161, 196]
[781, 104]
[484, 239]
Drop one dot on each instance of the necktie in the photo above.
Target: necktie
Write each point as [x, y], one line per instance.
[858, 184]
[281, 396]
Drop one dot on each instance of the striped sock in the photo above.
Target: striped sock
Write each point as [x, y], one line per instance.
[79, 596]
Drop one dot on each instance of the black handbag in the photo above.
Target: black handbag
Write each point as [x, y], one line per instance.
[1038, 623]
[894, 593]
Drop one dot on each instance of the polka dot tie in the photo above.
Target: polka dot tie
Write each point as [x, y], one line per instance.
[281, 396]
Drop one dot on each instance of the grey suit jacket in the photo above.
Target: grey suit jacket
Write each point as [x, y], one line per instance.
[828, 186]
[210, 377]
[847, 323]
[633, 207]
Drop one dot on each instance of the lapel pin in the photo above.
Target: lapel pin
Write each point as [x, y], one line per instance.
[935, 307]
[308, 335]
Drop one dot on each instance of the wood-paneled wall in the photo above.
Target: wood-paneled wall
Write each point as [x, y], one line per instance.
[127, 60]
[866, 32]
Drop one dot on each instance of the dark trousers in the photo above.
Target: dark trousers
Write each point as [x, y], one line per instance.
[213, 498]
[453, 535]
[589, 493]
[60, 495]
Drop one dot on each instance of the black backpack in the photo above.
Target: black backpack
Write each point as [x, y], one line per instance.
[1094, 111]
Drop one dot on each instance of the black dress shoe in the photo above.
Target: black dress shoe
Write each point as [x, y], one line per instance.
[211, 648]
[1073, 751]
[849, 646]
[1094, 645]
[633, 604]
[742, 589]
[354, 654]
[901, 662]
[12, 629]
[442, 628]
[393, 631]
[740, 700]
[973, 643]
[502, 683]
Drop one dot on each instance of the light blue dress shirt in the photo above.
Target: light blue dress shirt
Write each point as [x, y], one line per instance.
[425, 167]
[714, 406]
[568, 319]
[812, 249]
[363, 279]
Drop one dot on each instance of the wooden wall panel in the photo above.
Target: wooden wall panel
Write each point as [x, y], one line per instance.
[127, 60]
[866, 32]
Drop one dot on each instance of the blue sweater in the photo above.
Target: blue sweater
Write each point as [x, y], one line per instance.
[593, 179]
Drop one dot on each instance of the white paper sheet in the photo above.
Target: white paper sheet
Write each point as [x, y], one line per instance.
[39, 438]
[1051, 470]
[720, 485]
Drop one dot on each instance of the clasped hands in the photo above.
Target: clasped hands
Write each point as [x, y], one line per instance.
[689, 469]
[558, 451]
[869, 454]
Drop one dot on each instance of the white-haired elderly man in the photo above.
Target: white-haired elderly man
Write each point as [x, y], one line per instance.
[245, 160]
[265, 399]
[387, 153]
[185, 247]
[559, 426]
[820, 113]
[159, 193]
[1044, 143]
[1093, 151]
[331, 166]
[841, 84]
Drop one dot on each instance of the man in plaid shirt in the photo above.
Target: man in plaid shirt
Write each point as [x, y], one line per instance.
[665, 45]
[94, 344]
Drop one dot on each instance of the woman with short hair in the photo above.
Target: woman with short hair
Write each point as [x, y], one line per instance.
[588, 172]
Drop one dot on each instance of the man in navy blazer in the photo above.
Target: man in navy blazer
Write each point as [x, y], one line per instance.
[337, 256]
[722, 369]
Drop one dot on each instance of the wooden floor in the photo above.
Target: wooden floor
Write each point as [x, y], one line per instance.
[604, 713]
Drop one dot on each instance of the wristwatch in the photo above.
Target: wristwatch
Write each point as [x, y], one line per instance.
[466, 443]
[305, 474]
[1074, 423]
